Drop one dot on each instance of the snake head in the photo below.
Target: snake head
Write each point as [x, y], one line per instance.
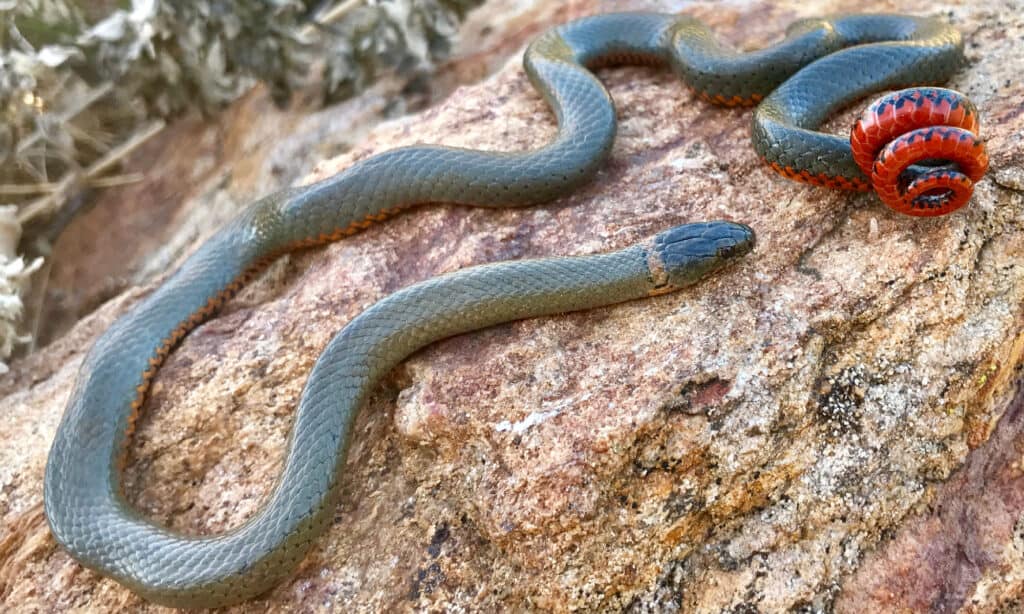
[683, 255]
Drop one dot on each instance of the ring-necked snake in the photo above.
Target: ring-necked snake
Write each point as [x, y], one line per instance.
[820, 66]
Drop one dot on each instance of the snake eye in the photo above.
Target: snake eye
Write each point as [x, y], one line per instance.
[732, 246]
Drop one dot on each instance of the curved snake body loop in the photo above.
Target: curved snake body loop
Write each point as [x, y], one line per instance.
[921, 150]
[84, 503]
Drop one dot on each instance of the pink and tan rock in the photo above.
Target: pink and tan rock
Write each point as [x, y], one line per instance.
[823, 426]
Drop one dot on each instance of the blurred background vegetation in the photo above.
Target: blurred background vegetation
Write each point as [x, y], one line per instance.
[83, 83]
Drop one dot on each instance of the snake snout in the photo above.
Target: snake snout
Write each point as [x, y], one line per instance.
[689, 252]
[736, 240]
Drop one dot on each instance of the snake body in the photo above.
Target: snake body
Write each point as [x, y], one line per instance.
[820, 66]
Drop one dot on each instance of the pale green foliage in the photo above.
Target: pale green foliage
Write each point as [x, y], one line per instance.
[14, 275]
[164, 57]
[397, 34]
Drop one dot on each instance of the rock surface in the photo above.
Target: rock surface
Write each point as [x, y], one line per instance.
[824, 426]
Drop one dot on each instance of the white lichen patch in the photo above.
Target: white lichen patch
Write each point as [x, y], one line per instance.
[534, 418]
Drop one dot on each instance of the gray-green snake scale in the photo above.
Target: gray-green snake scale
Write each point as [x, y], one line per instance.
[84, 503]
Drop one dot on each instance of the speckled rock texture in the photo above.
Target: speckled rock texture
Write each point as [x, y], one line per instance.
[829, 426]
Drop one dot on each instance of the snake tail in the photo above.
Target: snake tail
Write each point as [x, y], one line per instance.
[923, 173]
[921, 149]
